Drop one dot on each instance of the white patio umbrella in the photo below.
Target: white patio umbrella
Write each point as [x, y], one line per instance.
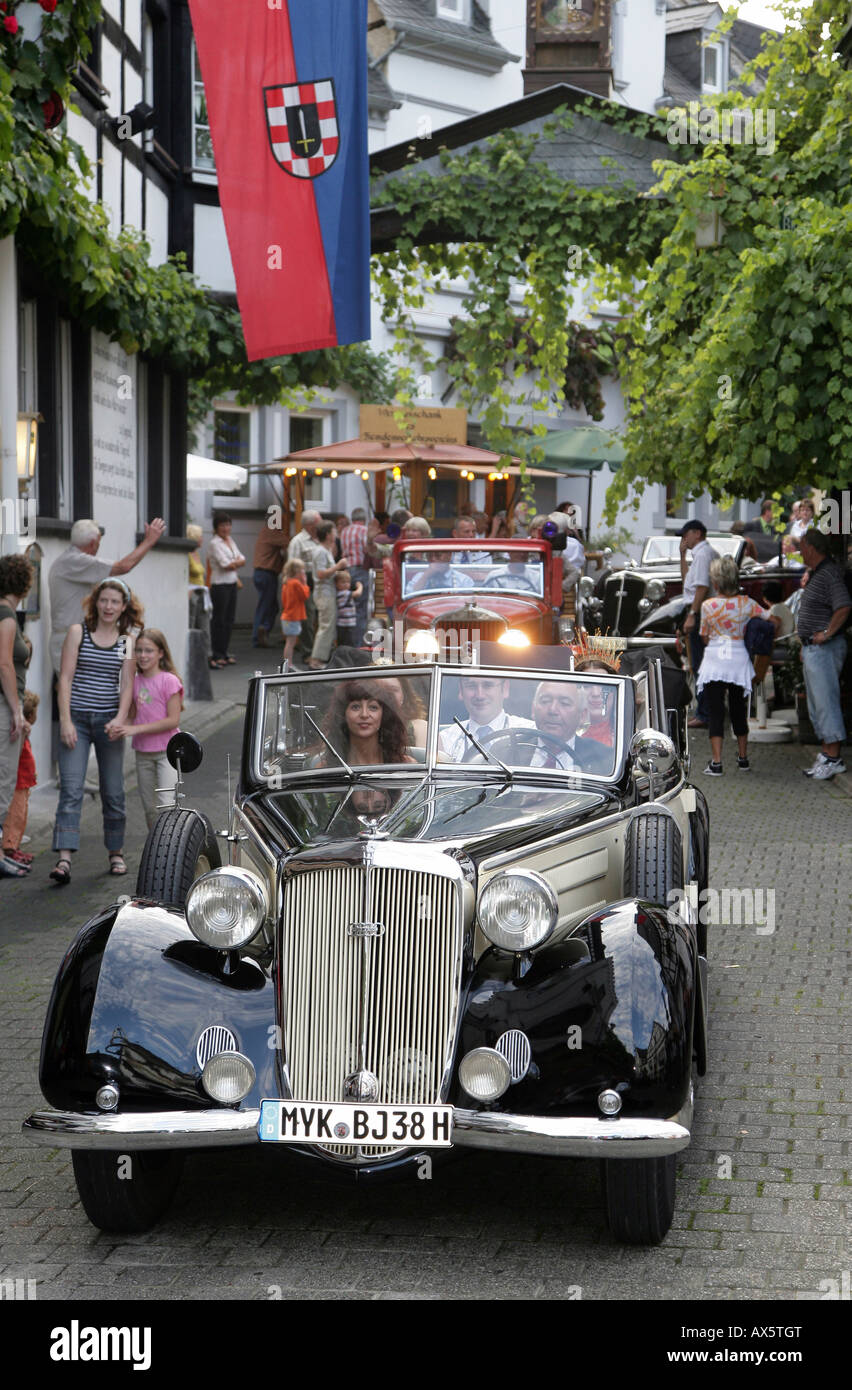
[210, 475]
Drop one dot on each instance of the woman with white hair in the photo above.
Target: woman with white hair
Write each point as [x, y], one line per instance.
[726, 665]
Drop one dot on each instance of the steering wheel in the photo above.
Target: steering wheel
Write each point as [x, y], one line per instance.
[516, 581]
[515, 740]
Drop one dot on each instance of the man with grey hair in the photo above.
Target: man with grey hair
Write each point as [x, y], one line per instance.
[304, 546]
[824, 608]
[79, 568]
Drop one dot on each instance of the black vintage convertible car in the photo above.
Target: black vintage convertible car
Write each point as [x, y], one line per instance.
[457, 909]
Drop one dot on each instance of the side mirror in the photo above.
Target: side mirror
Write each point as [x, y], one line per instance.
[653, 753]
[184, 752]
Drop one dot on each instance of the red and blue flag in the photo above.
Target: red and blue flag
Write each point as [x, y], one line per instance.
[286, 89]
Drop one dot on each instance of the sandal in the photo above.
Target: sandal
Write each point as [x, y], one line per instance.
[62, 872]
[9, 869]
[215, 665]
[230, 661]
[117, 866]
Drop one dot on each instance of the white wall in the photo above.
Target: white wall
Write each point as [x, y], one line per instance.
[639, 52]
[212, 260]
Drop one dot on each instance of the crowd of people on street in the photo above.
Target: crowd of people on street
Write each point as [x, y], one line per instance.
[722, 631]
[115, 678]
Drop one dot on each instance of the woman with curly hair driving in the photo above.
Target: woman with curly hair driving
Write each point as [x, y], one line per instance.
[365, 726]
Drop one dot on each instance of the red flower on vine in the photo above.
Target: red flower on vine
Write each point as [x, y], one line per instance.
[49, 5]
[10, 24]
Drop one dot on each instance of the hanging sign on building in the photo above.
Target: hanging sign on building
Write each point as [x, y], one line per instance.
[286, 89]
[428, 424]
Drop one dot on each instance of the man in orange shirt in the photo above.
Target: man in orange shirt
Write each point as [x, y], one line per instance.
[269, 551]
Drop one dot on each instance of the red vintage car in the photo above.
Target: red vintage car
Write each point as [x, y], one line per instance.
[488, 585]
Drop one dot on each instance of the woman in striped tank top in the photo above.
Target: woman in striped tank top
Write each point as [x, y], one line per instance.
[95, 688]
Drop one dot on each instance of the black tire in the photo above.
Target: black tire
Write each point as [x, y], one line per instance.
[640, 1198]
[180, 847]
[128, 1190]
[639, 1193]
[653, 858]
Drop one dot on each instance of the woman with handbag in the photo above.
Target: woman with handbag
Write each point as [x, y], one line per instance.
[225, 559]
[726, 666]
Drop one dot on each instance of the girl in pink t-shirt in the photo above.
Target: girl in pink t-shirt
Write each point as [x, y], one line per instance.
[154, 716]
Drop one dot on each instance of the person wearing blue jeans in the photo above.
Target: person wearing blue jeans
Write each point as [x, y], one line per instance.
[266, 612]
[824, 609]
[95, 690]
[90, 728]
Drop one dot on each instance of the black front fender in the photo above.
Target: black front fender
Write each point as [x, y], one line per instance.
[611, 1007]
[132, 997]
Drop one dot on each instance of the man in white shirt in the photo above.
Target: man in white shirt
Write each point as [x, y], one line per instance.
[573, 556]
[78, 569]
[465, 530]
[696, 587]
[440, 575]
[304, 547]
[482, 697]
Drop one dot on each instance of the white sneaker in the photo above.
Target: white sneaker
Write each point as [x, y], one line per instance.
[827, 769]
[818, 762]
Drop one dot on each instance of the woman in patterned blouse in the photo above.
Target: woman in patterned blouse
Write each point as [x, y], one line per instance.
[726, 665]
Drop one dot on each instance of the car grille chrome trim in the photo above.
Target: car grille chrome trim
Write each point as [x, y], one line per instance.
[215, 1039]
[515, 1047]
[356, 1002]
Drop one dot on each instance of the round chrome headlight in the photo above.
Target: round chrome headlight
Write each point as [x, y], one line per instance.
[226, 908]
[485, 1073]
[517, 911]
[655, 589]
[228, 1077]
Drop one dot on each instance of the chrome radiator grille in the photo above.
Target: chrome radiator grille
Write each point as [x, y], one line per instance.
[412, 983]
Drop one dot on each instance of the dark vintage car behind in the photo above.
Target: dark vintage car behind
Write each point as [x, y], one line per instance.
[644, 602]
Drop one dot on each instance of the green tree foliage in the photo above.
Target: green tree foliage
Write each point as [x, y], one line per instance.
[734, 358]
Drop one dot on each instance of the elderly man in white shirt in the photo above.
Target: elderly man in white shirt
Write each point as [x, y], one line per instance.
[696, 587]
[304, 546]
[482, 697]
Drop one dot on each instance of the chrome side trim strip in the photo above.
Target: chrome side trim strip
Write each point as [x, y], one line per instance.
[158, 1129]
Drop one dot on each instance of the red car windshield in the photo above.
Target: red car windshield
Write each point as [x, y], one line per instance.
[483, 571]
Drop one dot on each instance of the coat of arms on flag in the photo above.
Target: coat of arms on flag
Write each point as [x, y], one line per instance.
[302, 123]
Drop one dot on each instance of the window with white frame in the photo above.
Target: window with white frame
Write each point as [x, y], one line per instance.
[202, 143]
[714, 68]
[459, 10]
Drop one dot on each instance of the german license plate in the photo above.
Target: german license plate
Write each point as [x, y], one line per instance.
[299, 1122]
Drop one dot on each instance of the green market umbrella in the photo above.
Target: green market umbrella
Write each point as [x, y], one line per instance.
[583, 448]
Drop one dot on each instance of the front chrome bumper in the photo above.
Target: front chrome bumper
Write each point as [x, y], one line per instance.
[199, 1129]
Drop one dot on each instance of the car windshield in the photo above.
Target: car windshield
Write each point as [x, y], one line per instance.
[355, 718]
[485, 571]
[667, 548]
[430, 717]
[561, 723]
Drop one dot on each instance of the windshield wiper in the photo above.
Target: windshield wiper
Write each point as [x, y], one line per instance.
[484, 751]
[329, 746]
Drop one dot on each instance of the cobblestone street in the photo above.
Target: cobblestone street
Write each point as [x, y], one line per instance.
[764, 1190]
